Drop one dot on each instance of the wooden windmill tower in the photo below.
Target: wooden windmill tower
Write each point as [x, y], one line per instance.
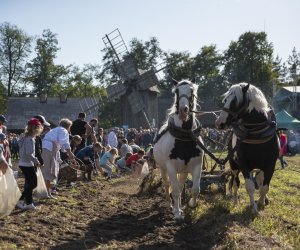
[138, 91]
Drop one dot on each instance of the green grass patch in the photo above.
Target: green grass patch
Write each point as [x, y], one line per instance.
[279, 221]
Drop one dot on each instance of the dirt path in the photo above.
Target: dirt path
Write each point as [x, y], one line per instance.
[103, 215]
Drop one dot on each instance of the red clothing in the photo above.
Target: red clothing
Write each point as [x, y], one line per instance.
[283, 143]
[134, 157]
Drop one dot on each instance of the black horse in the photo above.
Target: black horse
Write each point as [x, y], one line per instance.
[254, 142]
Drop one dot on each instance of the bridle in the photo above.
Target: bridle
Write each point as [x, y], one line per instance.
[190, 99]
[237, 114]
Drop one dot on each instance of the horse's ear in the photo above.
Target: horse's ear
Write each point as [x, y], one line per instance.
[245, 89]
[174, 81]
[193, 80]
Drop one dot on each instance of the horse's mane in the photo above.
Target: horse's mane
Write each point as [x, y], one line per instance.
[171, 111]
[256, 98]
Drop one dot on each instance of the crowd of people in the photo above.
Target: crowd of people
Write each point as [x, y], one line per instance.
[106, 152]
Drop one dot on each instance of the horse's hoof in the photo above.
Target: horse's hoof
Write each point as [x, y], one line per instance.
[254, 209]
[192, 204]
[179, 220]
[235, 201]
[267, 201]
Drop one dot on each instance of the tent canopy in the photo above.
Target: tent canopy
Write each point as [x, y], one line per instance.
[285, 120]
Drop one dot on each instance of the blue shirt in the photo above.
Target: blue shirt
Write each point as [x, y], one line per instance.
[87, 152]
[122, 162]
[105, 157]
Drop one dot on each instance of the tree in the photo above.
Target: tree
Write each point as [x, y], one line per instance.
[43, 72]
[146, 55]
[250, 60]
[294, 64]
[15, 47]
[179, 66]
[207, 72]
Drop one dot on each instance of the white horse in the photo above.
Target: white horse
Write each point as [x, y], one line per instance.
[176, 153]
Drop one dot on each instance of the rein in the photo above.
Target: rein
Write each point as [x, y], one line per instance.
[192, 135]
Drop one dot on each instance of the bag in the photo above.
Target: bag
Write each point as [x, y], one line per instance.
[145, 169]
[41, 190]
[9, 192]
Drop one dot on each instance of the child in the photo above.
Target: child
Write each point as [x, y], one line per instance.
[107, 161]
[28, 161]
[135, 162]
[121, 163]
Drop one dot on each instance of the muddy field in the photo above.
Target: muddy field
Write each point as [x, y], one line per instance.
[115, 215]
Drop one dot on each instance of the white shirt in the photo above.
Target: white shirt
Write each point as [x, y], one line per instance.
[112, 139]
[58, 136]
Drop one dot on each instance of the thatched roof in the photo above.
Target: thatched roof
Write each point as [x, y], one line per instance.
[20, 109]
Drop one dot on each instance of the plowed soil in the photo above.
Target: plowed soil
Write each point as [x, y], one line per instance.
[116, 215]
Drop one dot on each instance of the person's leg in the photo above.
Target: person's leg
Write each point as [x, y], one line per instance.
[281, 161]
[108, 170]
[31, 183]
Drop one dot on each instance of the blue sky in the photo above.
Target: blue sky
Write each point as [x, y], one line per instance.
[179, 25]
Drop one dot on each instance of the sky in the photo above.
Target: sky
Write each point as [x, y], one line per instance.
[179, 25]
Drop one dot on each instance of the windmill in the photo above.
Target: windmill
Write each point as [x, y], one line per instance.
[137, 91]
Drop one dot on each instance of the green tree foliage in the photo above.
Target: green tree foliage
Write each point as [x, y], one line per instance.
[294, 65]
[15, 47]
[207, 72]
[179, 65]
[146, 54]
[43, 72]
[250, 60]
[3, 99]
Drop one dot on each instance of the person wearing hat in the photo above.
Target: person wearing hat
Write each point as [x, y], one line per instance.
[3, 128]
[28, 161]
[38, 139]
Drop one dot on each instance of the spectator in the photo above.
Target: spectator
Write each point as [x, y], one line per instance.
[82, 128]
[38, 139]
[121, 163]
[100, 135]
[5, 147]
[28, 161]
[147, 138]
[125, 148]
[3, 128]
[92, 137]
[135, 148]
[131, 135]
[14, 147]
[75, 140]
[54, 140]
[283, 148]
[3, 162]
[112, 139]
[90, 155]
[107, 161]
[135, 161]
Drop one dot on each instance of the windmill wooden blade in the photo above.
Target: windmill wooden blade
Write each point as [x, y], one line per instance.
[135, 101]
[128, 69]
[115, 90]
[147, 80]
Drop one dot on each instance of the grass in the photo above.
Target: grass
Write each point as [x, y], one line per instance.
[280, 221]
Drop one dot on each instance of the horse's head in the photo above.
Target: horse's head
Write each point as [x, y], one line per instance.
[185, 98]
[236, 102]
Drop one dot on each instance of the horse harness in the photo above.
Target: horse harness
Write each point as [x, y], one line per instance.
[190, 135]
